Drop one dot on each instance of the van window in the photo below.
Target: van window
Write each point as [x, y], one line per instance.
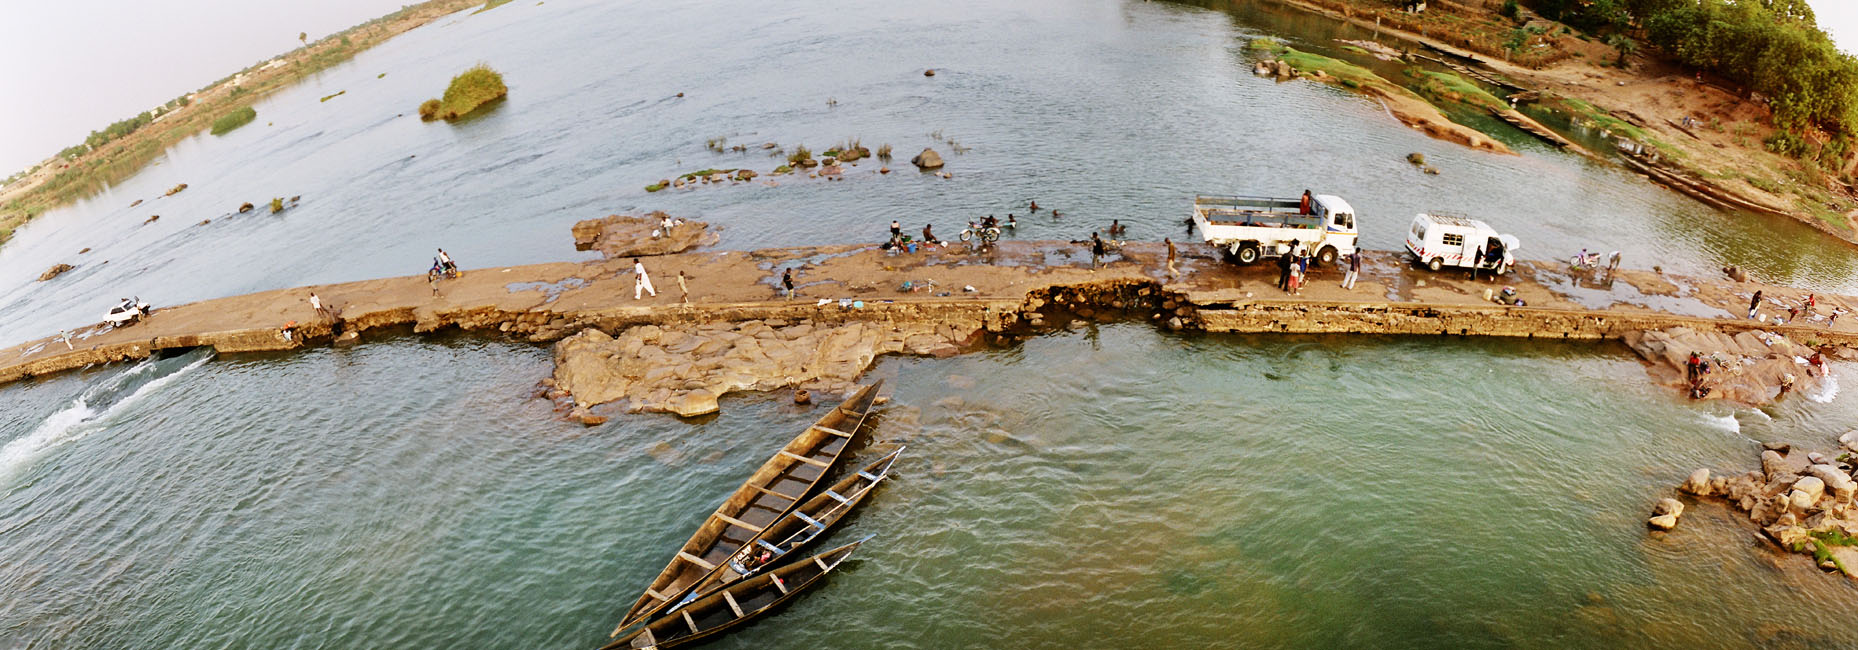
[1454, 239]
[1419, 232]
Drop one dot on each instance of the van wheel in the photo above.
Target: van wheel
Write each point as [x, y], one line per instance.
[1248, 253]
[1326, 256]
[1436, 264]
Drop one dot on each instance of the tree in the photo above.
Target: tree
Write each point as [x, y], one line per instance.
[304, 36]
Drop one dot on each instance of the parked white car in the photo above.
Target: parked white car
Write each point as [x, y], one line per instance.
[1437, 241]
[130, 310]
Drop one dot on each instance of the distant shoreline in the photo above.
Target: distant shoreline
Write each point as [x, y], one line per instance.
[61, 181]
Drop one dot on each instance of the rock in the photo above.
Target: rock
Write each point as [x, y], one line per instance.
[1801, 500]
[744, 174]
[883, 170]
[1663, 522]
[1772, 463]
[587, 418]
[1780, 447]
[1812, 488]
[86, 250]
[1432, 170]
[693, 403]
[245, 207]
[1669, 506]
[55, 271]
[151, 219]
[802, 396]
[1416, 158]
[1698, 483]
[928, 159]
[625, 236]
[929, 73]
[1835, 480]
[1849, 439]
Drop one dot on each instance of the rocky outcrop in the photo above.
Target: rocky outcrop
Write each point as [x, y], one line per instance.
[54, 271]
[928, 159]
[1803, 501]
[1665, 514]
[685, 370]
[1751, 367]
[622, 236]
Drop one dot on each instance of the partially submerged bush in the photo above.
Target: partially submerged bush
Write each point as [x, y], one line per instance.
[429, 110]
[234, 120]
[469, 90]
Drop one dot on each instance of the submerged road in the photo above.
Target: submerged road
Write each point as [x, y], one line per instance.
[997, 289]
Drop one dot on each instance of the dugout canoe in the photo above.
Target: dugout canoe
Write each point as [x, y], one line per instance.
[777, 487]
[734, 604]
[795, 530]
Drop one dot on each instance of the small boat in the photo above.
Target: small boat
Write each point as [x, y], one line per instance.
[795, 530]
[773, 490]
[734, 604]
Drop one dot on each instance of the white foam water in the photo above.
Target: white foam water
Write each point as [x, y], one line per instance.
[1828, 389]
[1724, 422]
[73, 422]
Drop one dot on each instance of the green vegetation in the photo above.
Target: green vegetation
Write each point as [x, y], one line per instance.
[701, 174]
[783, 169]
[1772, 47]
[489, 5]
[277, 205]
[234, 120]
[883, 152]
[801, 153]
[469, 90]
[338, 93]
[429, 110]
[657, 186]
[1349, 74]
[1450, 87]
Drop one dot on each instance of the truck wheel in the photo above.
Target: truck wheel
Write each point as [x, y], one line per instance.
[1436, 264]
[1326, 256]
[1248, 253]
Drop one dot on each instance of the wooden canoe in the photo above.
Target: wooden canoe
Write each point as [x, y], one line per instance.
[773, 490]
[734, 604]
[795, 530]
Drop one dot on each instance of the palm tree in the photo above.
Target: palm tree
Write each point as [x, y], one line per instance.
[1626, 46]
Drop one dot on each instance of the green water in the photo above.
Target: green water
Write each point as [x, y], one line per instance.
[1113, 486]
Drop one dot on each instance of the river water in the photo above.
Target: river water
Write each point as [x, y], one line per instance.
[1114, 485]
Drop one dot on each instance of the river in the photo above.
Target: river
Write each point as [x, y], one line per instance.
[1107, 486]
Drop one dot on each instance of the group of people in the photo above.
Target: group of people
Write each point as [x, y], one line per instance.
[1696, 368]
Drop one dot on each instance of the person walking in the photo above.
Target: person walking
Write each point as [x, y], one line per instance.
[1354, 270]
[643, 283]
[1477, 260]
[683, 289]
[1173, 272]
[1097, 250]
[787, 283]
[316, 303]
[65, 335]
[1754, 304]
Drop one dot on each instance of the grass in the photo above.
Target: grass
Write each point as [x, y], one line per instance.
[489, 5]
[800, 153]
[468, 91]
[1823, 540]
[233, 120]
[705, 173]
[277, 205]
[883, 152]
[338, 93]
[1450, 87]
[657, 186]
[1348, 74]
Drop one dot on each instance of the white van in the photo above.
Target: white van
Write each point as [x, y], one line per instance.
[1437, 241]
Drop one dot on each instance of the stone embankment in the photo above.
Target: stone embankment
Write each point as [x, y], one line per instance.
[858, 302]
[1802, 501]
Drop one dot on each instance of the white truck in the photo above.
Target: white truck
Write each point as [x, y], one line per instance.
[1254, 227]
[1437, 241]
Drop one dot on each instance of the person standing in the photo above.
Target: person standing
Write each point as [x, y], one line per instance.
[1477, 260]
[65, 335]
[896, 229]
[1284, 263]
[316, 303]
[1354, 270]
[1754, 304]
[683, 289]
[1173, 271]
[643, 283]
[1303, 205]
[1097, 250]
[446, 264]
[787, 283]
[1612, 263]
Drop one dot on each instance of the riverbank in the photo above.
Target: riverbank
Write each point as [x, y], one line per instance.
[63, 181]
[940, 302]
[1683, 131]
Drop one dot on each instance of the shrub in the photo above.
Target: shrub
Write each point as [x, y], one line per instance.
[469, 90]
[234, 120]
[429, 110]
[800, 153]
[1510, 10]
[277, 205]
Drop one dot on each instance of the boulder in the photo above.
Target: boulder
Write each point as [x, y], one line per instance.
[1772, 463]
[245, 207]
[928, 159]
[625, 236]
[1836, 481]
[1812, 487]
[1801, 500]
[1698, 483]
[1669, 506]
[54, 271]
[1416, 158]
[1850, 441]
[1662, 522]
[693, 403]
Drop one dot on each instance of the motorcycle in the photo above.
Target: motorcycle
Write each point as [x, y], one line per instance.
[989, 235]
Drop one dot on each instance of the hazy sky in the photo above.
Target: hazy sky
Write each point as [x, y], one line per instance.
[73, 66]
